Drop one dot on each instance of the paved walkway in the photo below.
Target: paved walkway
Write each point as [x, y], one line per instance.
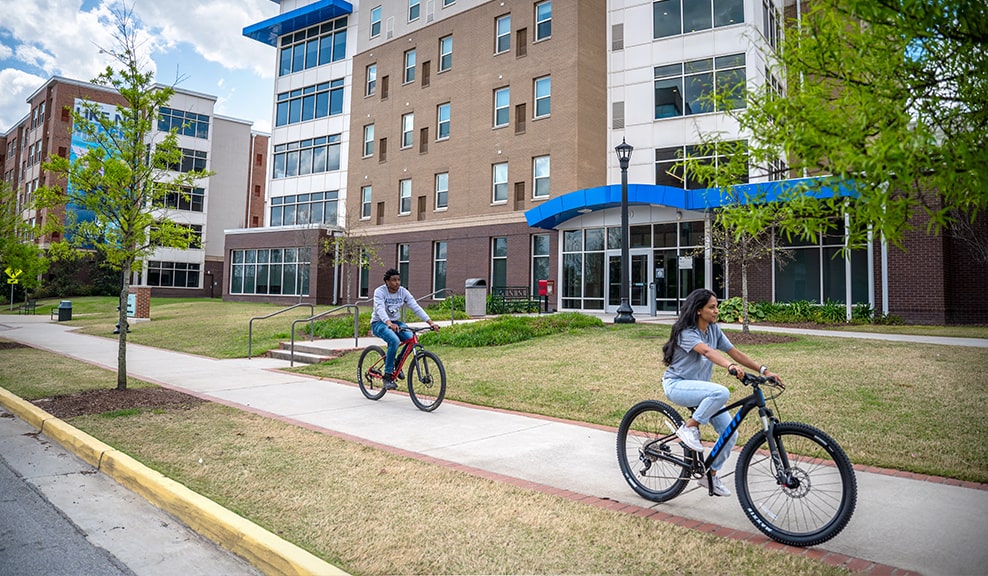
[902, 523]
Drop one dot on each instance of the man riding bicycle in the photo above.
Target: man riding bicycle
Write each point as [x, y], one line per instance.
[389, 298]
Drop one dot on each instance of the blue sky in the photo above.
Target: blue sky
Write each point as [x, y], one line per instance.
[200, 41]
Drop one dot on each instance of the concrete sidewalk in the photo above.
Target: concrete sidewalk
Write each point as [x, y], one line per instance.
[929, 526]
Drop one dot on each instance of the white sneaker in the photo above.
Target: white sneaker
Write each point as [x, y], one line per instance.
[691, 437]
[719, 488]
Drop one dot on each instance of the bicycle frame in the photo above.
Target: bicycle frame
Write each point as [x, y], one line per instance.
[754, 400]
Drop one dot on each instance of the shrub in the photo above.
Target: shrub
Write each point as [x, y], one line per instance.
[831, 312]
[509, 329]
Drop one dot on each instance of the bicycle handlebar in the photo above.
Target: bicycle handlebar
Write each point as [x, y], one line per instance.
[752, 379]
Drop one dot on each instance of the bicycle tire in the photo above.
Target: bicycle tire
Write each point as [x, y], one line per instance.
[820, 503]
[372, 385]
[652, 423]
[426, 381]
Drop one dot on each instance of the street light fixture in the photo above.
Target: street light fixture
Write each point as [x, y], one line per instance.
[624, 312]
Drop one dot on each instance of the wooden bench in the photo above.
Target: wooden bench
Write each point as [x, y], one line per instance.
[513, 299]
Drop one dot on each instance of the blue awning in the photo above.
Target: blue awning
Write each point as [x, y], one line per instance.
[298, 19]
[552, 213]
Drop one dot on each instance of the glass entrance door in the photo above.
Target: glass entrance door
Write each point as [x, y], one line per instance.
[641, 270]
[676, 275]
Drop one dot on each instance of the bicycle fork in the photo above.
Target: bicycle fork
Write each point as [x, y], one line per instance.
[783, 471]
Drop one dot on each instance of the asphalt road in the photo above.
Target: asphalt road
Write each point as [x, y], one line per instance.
[35, 538]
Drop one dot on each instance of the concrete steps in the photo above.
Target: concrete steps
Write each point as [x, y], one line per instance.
[305, 353]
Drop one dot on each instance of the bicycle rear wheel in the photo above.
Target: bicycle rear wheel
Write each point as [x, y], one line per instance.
[648, 450]
[817, 501]
[426, 381]
[370, 372]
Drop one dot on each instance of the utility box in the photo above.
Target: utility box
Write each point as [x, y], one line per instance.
[475, 294]
[64, 310]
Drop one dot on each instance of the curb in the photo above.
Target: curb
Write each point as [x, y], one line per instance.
[262, 549]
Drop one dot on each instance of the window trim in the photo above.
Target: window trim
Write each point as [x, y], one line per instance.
[537, 22]
[404, 194]
[439, 191]
[498, 35]
[536, 178]
[506, 108]
[495, 182]
[536, 98]
[447, 106]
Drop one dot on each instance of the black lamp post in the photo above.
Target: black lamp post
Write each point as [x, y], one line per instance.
[624, 312]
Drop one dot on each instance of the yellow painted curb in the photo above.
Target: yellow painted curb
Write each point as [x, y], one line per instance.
[264, 550]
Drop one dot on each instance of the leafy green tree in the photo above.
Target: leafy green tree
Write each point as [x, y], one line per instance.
[123, 177]
[17, 251]
[888, 95]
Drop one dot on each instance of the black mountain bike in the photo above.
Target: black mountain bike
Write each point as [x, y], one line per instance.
[794, 482]
[426, 375]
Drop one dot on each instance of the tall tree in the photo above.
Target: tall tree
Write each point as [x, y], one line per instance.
[351, 251]
[888, 95]
[124, 176]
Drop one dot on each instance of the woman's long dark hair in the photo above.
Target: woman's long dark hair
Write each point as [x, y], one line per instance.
[687, 319]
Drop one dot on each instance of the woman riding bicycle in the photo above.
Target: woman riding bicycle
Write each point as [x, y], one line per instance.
[385, 319]
[690, 354]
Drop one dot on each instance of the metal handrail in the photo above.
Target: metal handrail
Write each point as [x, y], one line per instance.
[356, 326]
[452, 311]
[250, 325]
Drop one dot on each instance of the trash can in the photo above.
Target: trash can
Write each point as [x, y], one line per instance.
[64, 310]
[475, 294]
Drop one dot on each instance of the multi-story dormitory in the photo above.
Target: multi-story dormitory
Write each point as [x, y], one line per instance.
[475, 139]
[233, 197]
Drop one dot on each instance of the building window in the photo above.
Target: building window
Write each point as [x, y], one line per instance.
[502, 34]
[403, 261]
[445, 53]
[543, 96]
[543, 20]
[583, 269]
[540, 171]
[439, 267]
[192, 160]
[442, 190]
[816, 271]
[700, 86]
[770, 23]
[499, 261]
[365, 202]
[502, 103]
[363, 279]
[184, 123]
[448, 3]
[674, 17]
[368, 140]
[667, 173]
[375, 22]
[540, 260]
[442, 121]
[414, 10]
[190, 199]
[407, 130]
[312, 156]
[302, 209]
[173, 274]
[404, 197]
[500, 178]
[270, 271]
[309, 103]
[371, 80]
[313, 47]
[409, 66]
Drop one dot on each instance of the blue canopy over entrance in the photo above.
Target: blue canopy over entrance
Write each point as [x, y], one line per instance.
[550, 214]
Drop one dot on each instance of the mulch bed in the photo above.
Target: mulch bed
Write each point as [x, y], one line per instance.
[108, 400]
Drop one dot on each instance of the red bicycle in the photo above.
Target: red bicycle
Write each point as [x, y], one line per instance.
[426, 375]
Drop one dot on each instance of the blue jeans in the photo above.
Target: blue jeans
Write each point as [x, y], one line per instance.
[394, 340]
[708, 398]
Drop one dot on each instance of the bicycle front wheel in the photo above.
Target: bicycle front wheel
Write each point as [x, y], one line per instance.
[370, 372]
[805, 500]
[426, 381]
[651, 457]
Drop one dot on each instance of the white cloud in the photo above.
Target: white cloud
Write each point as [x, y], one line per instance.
[214, 30]
[15, 87]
